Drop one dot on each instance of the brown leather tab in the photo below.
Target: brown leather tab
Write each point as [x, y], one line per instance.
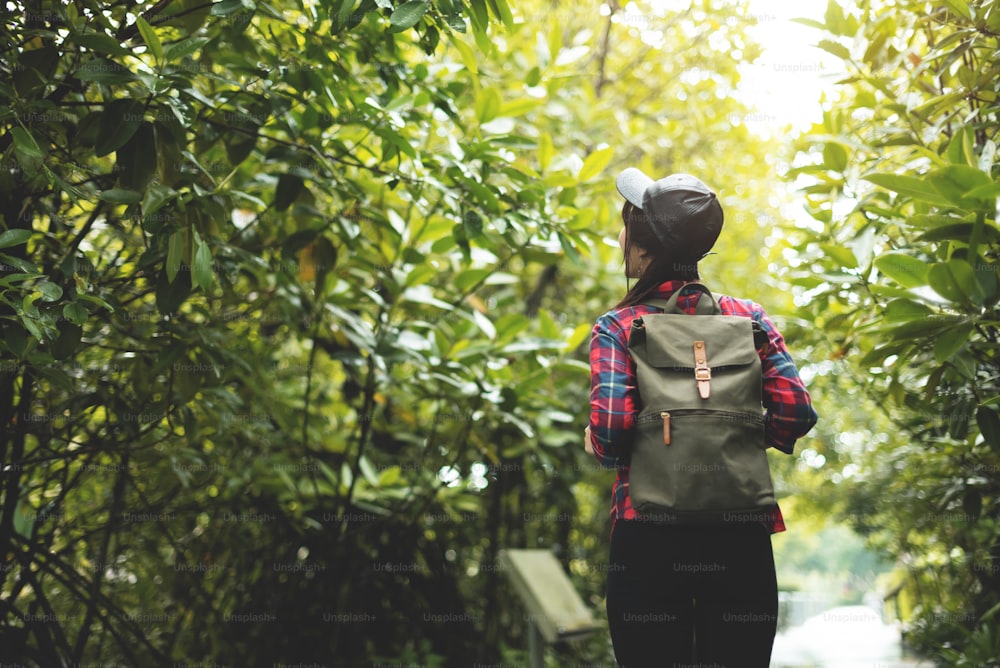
[666, 427]
[702, 372]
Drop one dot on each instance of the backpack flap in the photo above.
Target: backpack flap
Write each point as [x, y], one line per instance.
[669, 340]
[667, 349]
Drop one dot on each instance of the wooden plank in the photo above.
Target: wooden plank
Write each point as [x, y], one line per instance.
[549, 598]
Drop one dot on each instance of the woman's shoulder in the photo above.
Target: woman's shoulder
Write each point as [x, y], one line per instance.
[740, 306]
[618, 320]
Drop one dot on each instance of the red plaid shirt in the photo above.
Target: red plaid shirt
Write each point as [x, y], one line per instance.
[614, 393]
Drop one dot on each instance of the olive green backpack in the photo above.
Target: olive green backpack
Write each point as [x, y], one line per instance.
[698, 454]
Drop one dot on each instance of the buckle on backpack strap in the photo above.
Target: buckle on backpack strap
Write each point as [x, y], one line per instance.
[702, 372]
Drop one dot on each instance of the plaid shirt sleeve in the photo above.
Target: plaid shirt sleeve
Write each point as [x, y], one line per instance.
[789, 412]
[613, 392]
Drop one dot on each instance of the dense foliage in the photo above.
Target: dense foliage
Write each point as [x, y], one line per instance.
[294, 300]
[899, 278]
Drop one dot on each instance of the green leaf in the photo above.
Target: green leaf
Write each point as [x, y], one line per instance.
[510, 325]
[905, 309]
[989, 427]
[227, 7]
[502, 11]
[569, 246]
[76, 313]
[242, 139]
[473, 224]
[984, 194]
[97, 301]
[390, 476]
[68, 340]
[102, 70]
[136, 160]
[546, 151]
[119, 121]
[986, 275]
[342, 15]
[485, 325]
[961, 149]
[155, 197]
[961, 8]
[120, 196]
[24, 520]
[955, 182]
[101, 43]
[844, 257]
[955, 280]
[835, 48]
[583, 219]
[471, 277]
[202, 266]
[424, 295]
[908, 186]
[835, 156]
[150, 38]
[487, 104]
[16, 339]
[187, 15]
[812, 23]
[961, 232]
[34, 68]
[240, 147]
[420, 274]
[407, 15]
[834, 19]
[479, 16]
[32, 327]
[171, 294]
[519, 107]
[965, 364]
[950, 341]
[176, 253]
[11, 238]
[26, 144]
[183, 48]
[394, 140]
[922, 328]
[579, 335]
[324, 256]
[939, 103]
[595, 163]
[972, 504]
[906, 270]
[50, 291]
[289, 188]
[467, 55]
[923, 220]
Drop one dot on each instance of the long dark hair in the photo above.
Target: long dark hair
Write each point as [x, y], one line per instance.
[664, 264]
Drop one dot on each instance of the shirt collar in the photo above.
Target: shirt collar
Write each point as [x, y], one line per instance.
[667, 288]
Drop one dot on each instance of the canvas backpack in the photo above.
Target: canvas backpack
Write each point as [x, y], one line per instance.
[698, 454]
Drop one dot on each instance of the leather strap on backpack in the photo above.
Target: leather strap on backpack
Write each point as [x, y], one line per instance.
[702, 372]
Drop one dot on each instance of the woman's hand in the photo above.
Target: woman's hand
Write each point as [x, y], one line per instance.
[588, 446]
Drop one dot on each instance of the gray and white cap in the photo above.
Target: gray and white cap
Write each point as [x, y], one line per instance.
[685, 214]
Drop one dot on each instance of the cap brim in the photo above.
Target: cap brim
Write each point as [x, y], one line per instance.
[632, 183]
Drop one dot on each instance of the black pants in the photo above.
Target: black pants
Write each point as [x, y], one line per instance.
[692, 596]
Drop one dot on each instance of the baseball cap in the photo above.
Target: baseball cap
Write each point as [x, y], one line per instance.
[684, 213]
